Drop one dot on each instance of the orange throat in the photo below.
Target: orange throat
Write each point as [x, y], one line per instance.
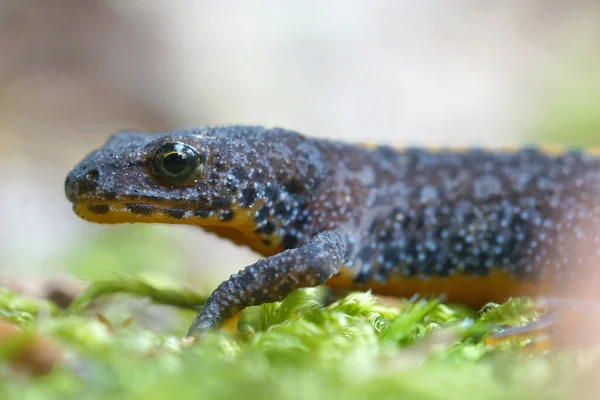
[239, 230]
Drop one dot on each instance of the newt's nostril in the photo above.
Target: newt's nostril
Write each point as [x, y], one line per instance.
[78, 184]
[92, 175]
[89, 182]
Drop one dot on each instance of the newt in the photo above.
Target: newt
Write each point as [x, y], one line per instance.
[476, 225]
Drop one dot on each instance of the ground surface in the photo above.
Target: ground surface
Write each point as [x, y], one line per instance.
[355, 348]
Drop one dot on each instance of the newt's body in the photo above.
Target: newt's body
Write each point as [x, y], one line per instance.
[479, 226]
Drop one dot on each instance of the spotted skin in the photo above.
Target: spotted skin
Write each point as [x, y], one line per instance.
[477, 225]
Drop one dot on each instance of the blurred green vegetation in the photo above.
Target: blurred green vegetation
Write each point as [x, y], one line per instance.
[140, 249]
[355, 348]
[569, 102]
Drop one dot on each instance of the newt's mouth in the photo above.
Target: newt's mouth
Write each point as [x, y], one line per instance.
[115, 213]
[234, 223]
[132, 212]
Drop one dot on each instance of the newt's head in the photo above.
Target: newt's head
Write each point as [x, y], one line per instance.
[249, 178]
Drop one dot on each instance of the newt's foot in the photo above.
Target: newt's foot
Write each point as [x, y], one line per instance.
[568, 323]
[272, 279]
[538, 331]
[230, 326]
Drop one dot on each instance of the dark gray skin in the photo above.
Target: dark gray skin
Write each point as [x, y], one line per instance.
[272, 173]
[312, 206]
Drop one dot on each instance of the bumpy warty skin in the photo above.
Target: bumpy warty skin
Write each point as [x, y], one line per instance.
[446, 212]
[389, 213]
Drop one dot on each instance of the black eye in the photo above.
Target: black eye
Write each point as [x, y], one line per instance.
[174, 163]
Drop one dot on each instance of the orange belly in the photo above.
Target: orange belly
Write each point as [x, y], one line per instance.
[458, 288]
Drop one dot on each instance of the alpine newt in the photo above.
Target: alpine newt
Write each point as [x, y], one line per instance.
[477, 225]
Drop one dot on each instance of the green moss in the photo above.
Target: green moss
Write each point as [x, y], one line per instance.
[23, 311]
[354, 348]
[138, 287]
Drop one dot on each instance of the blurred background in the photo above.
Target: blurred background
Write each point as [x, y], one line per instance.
[437, 72]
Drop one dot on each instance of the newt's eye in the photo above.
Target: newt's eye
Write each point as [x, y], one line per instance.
[174, 163]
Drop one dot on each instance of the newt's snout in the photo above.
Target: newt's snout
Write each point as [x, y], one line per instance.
[80, 183]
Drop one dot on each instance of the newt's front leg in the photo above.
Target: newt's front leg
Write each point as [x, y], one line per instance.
[273, 278]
